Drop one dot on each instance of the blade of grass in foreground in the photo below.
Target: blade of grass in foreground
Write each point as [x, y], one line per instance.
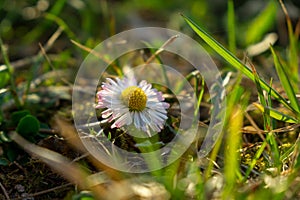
[234, 98]
[276, 114]
[232, 154]
[234, 61]
[283, 76]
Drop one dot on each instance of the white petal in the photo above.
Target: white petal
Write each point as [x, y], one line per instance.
[107, 113]
[112, 82]
[157, 117]
[107, 120]
[145, 117]
[137, 120]
[119, 112]
[124, 119]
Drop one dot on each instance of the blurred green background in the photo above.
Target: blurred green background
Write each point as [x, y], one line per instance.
[26, 23]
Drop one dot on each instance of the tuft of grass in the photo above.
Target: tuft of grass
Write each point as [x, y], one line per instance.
[235, 62]
[268, 125]
[234, 121]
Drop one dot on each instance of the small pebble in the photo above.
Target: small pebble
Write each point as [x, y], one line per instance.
[20, 188]
[25, 195]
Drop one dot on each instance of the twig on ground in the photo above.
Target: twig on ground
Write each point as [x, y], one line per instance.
[44, 191]
[28, 60]
[4, 191]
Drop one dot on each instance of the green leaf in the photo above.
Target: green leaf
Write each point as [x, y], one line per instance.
[276, 114]
[12, 153]
[285, 81]
[17, 116]
[234, 61]
[28, 126]
[3, 161]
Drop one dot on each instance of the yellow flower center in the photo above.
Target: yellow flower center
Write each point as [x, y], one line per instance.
[135, 98]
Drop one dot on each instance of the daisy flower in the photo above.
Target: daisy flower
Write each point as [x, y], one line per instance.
[127, 103]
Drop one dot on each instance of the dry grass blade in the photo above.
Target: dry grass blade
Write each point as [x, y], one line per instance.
[91, 51]
[56, 161]
[98, 55]
[161, 49]
[286, 129]
[44, 53]
[28, 60]
[71, 171]
[68, 131]
[278, 130]
[74, 173]
[52, 39]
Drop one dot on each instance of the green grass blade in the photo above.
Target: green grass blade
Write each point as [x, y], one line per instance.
[222, 51]
[267, 118]
[233, 60]
[200, 96]
[293, 49]
[231, 26]
[273, 142]
[232, 154]
[285, 81]
[10, 70]
[255, 159]
[258, 86]
[233, 97]
[61, 24]
[35, 33]
[261, 24]
[276, 114]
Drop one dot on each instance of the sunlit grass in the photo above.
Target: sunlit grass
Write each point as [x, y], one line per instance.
[260, 163]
